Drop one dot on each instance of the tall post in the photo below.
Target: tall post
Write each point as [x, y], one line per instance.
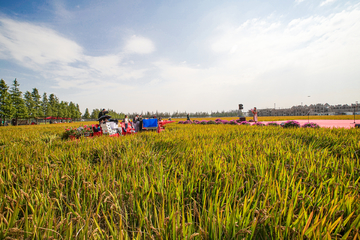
[354, 110]
[354, 113]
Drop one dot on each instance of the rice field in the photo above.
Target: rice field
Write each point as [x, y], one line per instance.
[189, 182]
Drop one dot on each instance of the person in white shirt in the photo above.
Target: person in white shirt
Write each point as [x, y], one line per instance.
[126, 120]
[114, 126]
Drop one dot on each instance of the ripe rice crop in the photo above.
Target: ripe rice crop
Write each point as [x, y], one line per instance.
[189, 182]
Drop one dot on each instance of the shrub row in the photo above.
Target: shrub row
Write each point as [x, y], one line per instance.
[287, 124]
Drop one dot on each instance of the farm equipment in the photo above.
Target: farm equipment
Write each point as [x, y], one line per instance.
[155, 124]
[115, 130]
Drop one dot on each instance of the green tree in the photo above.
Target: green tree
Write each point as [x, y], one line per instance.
[20, 110]
[38, 112]
[95, 114]
[66, 111]
[78, 112]
[86, 114]
[63, 109]
[45, 107]
[53, 105]
[72, 110]
[6, 108]
[30, 105]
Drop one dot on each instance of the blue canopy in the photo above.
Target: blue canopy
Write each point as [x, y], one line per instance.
[150, 123]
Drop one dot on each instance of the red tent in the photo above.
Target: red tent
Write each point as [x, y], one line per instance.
[51, 118]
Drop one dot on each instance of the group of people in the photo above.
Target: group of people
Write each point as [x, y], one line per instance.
[136, 123]
[114, 123]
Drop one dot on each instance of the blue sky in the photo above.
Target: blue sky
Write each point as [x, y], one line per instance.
[134, 56]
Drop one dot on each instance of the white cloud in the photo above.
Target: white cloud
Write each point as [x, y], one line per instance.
[155, 81]
[139, 45]
[263, 46]
[260, 61]
[272, 59]
[35, 45]
[299, 1]
[326, 2]
[55, 57]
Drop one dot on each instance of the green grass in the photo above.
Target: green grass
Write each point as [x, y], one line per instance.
[189, 182]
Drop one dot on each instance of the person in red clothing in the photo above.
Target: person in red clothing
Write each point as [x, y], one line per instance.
[255, 114]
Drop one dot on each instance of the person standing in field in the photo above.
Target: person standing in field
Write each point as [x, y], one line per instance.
[135, 119]
[140, 119]
[102, 113]
[126, 120]
[255, 114]
[137, 125]
[188, 117]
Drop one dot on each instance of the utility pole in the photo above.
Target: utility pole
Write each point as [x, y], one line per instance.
[356, 110]
[355, 106]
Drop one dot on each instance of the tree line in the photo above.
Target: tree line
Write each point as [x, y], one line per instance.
[95, 114]
[148, 114]
[31, 105]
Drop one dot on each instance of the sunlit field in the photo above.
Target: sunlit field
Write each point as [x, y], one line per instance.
[188, 182]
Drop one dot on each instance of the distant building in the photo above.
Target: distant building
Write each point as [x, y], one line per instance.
[313, 109]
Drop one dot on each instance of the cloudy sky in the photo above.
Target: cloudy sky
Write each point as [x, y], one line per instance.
[141, 55]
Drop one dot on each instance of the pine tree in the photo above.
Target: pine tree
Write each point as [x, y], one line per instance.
[86, 114]
[18, 102]
[95, 114]
[63, 109]
[38, 113]
[72, 110]
[30, 105]
[53, 105]
[6, 108]
[66, 111]
[45, 106]
[78, 113]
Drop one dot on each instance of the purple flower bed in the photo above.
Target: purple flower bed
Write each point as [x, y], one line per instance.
[311, 125]
[244, 123]
[233, 122]
[272, 124]
[203, 122]
[291, 124]
[287, 124]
